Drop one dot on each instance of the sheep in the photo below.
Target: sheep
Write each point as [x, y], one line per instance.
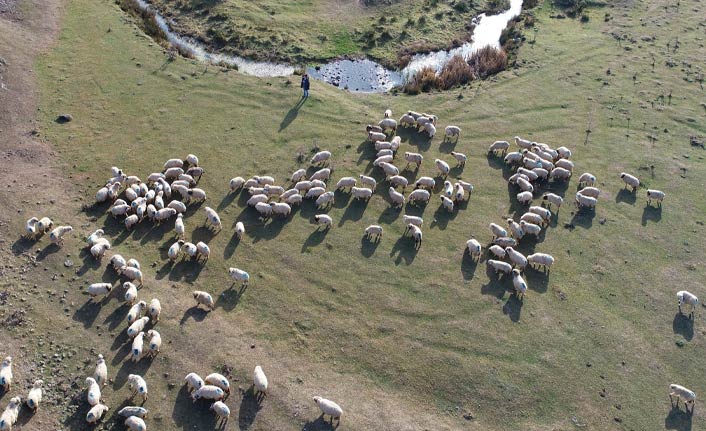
[98, 250]
[563, 152]
[236, 183]
[497, 251]
[564, 163]
[414, 114]
[531, 228]
[164, 214]
[10, 414]
[430, 129]
[406, 120]
[159, 200]
[213, 220]
[133, 263]
[182, 190]
[196, 194]
[323, 220]
[281, 208]
[399, 181]
[219, 381]
[6, 373]
[389, 169]
[137, 385]
[346, 183]
[192, 160]
[517, 176]
[318, 183]
[532, 217]
[388, 113]
[531, 163]
[373, 231]
[155, 342]
[368, 181]
[545, 155]
[447, 203]
[264, 209]
[151, 212]
[256, 191]
[134, 423]
[154, 310]
[329, 407]
[381, 159]
[130, 292]
[383, 145]
[460, 158]
[656, 195]
[519, 283]
[204, 298]
[395, 143]
[287, 194]
[408, 219]
[203, 251]
[585, 201]
[443, 167]
[222, 411]
[587, 179]
[56, 236]
[97, 289]
[681, 392]
[459, 193]
[452, 131]
[175, 250]
[560, 173]
[314, 192]
[689, 298]
[44, 224]
[513, 158]
[238, 275]
[416, 233]
[385, 152]
[100, 374]
[474, 248]
[273, 190]
[325, 199]
[173, 163]
[499, 147]
[515, 229]
[173, 173]
[137, 344]
[251, 182]
[128, 411]
[195, 172]
[590, 192]
[552, 199]
[630, 180]
[530, 174]
[254, 200]
[179, 227]
[541, 260]
[155, 177]
[497, 230]
[93, 393]
[517, 258]
[423, 120]
[448, 189]
[543, 212]
[361, 193]
[376, 136]
[96, 413]
[188, 179]
[425, 183]
[396, 197]
[467, 187]
[500, 266]
[31, 230]
[193, 382]
[525, 185]
[388, 123]
[370, 128]
[136, 311]
[541, 173]
[523, 143]
[117, 261]
[137, 326]
[419, 195]
[131, 274]
[294, 199]
[504, 241]
[208, 392]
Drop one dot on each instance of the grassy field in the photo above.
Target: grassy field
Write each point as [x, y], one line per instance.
[402, 339]
[306, 31]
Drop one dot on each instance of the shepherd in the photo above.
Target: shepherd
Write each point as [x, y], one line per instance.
[305, 84]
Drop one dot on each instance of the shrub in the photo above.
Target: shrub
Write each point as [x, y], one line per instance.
[456, 72]
[148, 18]
[488, 61]
[424, 81]
[584, 17]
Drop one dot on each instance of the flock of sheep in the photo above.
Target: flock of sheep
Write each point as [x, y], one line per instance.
[166, 195]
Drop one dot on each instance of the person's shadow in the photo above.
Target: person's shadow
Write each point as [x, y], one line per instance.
[292, 114]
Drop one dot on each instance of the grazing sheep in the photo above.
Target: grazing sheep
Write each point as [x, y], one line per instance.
[257, 191]
[298, 175]
[6, 374]
[399, 181]
[91, 239]
[208, 392]
[459, 193]
[346, 183]
[56, 236]
[543, 212]
[425, 183]
[10, 414]
[531, 217]
[552, 199]
[373, 231]
[93, 393]
[564, 163]
[407, 120]
[388, 113]
[193, 382]
[164, 214]
[137, 344]
[315, 192]
[100, 374]
[329, 407]
[467, 187]
[525, 185]
[44, 224]
[236, 183]
[389, 169]
[408, 219]
[218, 380]
[138, 385]
[513, 158]
[497, 230]
[587, 179]
[500, 147]
[137, 326]
[513, 179]
[430, 129]
[318, 183]
[452, 131]
[192, 160]
[416, 233]
[560, 174]
[98, 250]
[213, 220]
[376, 136]
[128, 411]
[474, 248]
[325, 199]
[447, 203]
[96, 413]
[590, 191]
[563, 152]
[238, 275]
[35, 396]
[196, 172]
[443, 167]
[136, 311]
[203, 251]
[414, 158]
[681, 392]
[517, 258]
[656, 195]
[264, 209]
[530, 228]
[686, 297]
[515, 228]
[222, 411]
[630, 180]
[240, 229]
[97, 289]
[118, 262]
[197, 195]
[273, 190]
[259, 380]
[188, 179]
[523, 143]
[370, 128]
[31, 229]
[254, 200]
[500, 266]
[288, 193]
[504, 241]
[497, 251]
[541, 173]
[154, 310]
[531, 175]
[448, 189]
[131, 273]
[419, 195]
[386, 152]
[383, 145]
[460, 158]
[383, 159]
[541, 260]
[294, 200]
[175, 250]
[585, 201]
[134, 423]
[204, 298]
[361, 193]
[388, 123]
[323, 220]
[155, 342]
[519, 283]
[179, 227]
[281, 208]
[251, 182]
[173, 173]
[396, 197]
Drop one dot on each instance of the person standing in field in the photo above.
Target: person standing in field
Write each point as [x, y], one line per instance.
[305, 84]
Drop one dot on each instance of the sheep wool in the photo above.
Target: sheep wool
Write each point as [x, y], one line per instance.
[6, 373]
[137, 326]
[204, 298]
[238, 275]
[93, 395]
[135, 423]
[329, 407]
[209, 392]
[218, 380]
[35, 395]
[474, 248]
[128, 411]
[138, 385]
[193, 382]
[259, 380]
[100, 374]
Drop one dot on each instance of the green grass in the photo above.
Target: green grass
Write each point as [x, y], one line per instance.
[402, 339]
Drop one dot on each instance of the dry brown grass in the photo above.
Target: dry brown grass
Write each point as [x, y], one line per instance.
[488, 61]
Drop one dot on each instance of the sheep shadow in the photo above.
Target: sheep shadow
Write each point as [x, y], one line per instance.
[405, 250]
[626, 196]
[495, 286]
[415, 138]
[650, 213]
[583, 218]
[537, 281]
[447, 145]
[250, 405]
[354, 212]
[513, 308]
[202, 233]
[498, 163]
[77, 420]
[23, 245]
[196, 313]
[87, 313]
[232, 245]
[122, 345]
[89, 262]
[47, 251]
[187, 270]
[228, 199]
[390, 214]
[468, 265]
[678, 419]
[341, 198]
[314, 239]
[368, 247]
[230, 298]
[320, 424]
[558, 187]
[128, 367]
[187, 417]
[117, 316]
[683, 325]
[414, 210]
[442, 218]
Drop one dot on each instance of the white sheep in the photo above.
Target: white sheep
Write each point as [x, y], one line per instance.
[388, 123]
[193, 382]
[212, 219]
[399, 181]
[294, 200]
[98, 250]
[236, 183]
[563, 152]
[566, 164]
[361, 193]
[314, 192]
[530, 174]
[264, 209]
[97, 289]
[497, 251]
[137, 345]
[96, 413]
[497, 230]
[208, 392]
[196, 195]
[460, 158]
[155, 342]
[368, 181]
[389, 169]
[407, 120]
[138, 385]
[288, 193]
[590, 191]
[281, 208]
[543, 212]
[251, 182]
[154, 310]
[134, 423]
[117, 261]
[383, 145]
[388, 113]
[452, 131]
[686, 297]
[240, 229]
[91, 239]
[531, 217]
[195, 172]
[430, 129]
[174, 250]
[505, 241]
[329, 407]
[6, 373]
[525, 185]
[255, 199]
[385, 152]
[182, 190]
[203, 251]
[519, 283]
[56, 236]
[218, 380]
[541, 173]
[222, 411]
[448, 190]
[259, 380]
[173, 173]
[415, 220]
[325, 199]
[541, 260]
[173, 163]
[419, 195]
[131, 273]
[128, 411]
[515, 229]
[657, 195]
[273, 190]
[396, 197]
[630, 180]
[204, 298]
[10, 414]
[459, 193]
[265, 180]
[523, 143]
[467, 187]
[513, 158]
[346, 183]
[93, 393]
[130, 292]
[100, 374]
[587, 179]
[447, 203]
[192, 160]
[416, 233]
[373, 231]
[136, 311]
[552, 199]
[239, 276]
[474, 248]
[682, 393]
[318, 183]
[414, 158]
[44, 224]
[383, 159]
[137, 326]
[499, 147]
[31, 230]
[376, 136]
[518, 259]
[443, 167]
[585, 201]
[323, 220]
[425, 183]
[560, 174]
[499, 266]
[164, 213]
